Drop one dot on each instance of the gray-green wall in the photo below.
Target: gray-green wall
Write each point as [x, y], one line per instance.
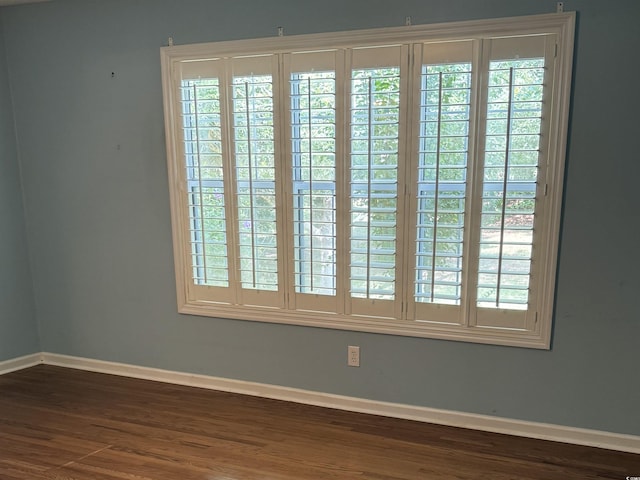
[18, 328]
[93, 160]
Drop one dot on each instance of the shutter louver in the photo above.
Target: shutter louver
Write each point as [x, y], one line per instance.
[442, 179]
[314, 182]
[514, 111]
[254, 137]
[205, 187]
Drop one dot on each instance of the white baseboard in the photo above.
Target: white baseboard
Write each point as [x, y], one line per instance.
[544, 431]
[8, 366]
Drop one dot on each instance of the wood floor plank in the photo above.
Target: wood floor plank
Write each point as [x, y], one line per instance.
[64, 424]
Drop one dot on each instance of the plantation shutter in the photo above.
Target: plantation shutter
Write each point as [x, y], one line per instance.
[397, 181]
[516, 97]
[377, 106]
[204, 178]
[439, 180]
[315, 136]
[253, 95]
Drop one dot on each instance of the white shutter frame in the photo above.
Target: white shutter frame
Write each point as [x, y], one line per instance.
[435, 53]
[197, 69]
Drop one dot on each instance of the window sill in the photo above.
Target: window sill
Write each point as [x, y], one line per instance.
[408, 328]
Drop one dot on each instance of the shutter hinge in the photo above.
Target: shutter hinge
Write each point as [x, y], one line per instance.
[546, 189]
[555, 52]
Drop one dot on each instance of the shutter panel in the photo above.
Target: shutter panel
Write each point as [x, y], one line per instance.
[511, 199]
[253, 92]
[203, 177]
[314, 143]
[439, 184]
[376, 110]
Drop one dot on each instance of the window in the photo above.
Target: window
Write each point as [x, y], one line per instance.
[404, 180]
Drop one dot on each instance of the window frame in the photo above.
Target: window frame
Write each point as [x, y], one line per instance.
[202, 300]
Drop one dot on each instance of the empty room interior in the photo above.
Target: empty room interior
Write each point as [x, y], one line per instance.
[319, 239]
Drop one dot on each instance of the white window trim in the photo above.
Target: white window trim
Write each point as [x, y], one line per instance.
[539, 336]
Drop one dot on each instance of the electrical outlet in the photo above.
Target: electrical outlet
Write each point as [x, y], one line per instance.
[353, 356]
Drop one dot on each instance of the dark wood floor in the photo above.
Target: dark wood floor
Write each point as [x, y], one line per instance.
[64, 424]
